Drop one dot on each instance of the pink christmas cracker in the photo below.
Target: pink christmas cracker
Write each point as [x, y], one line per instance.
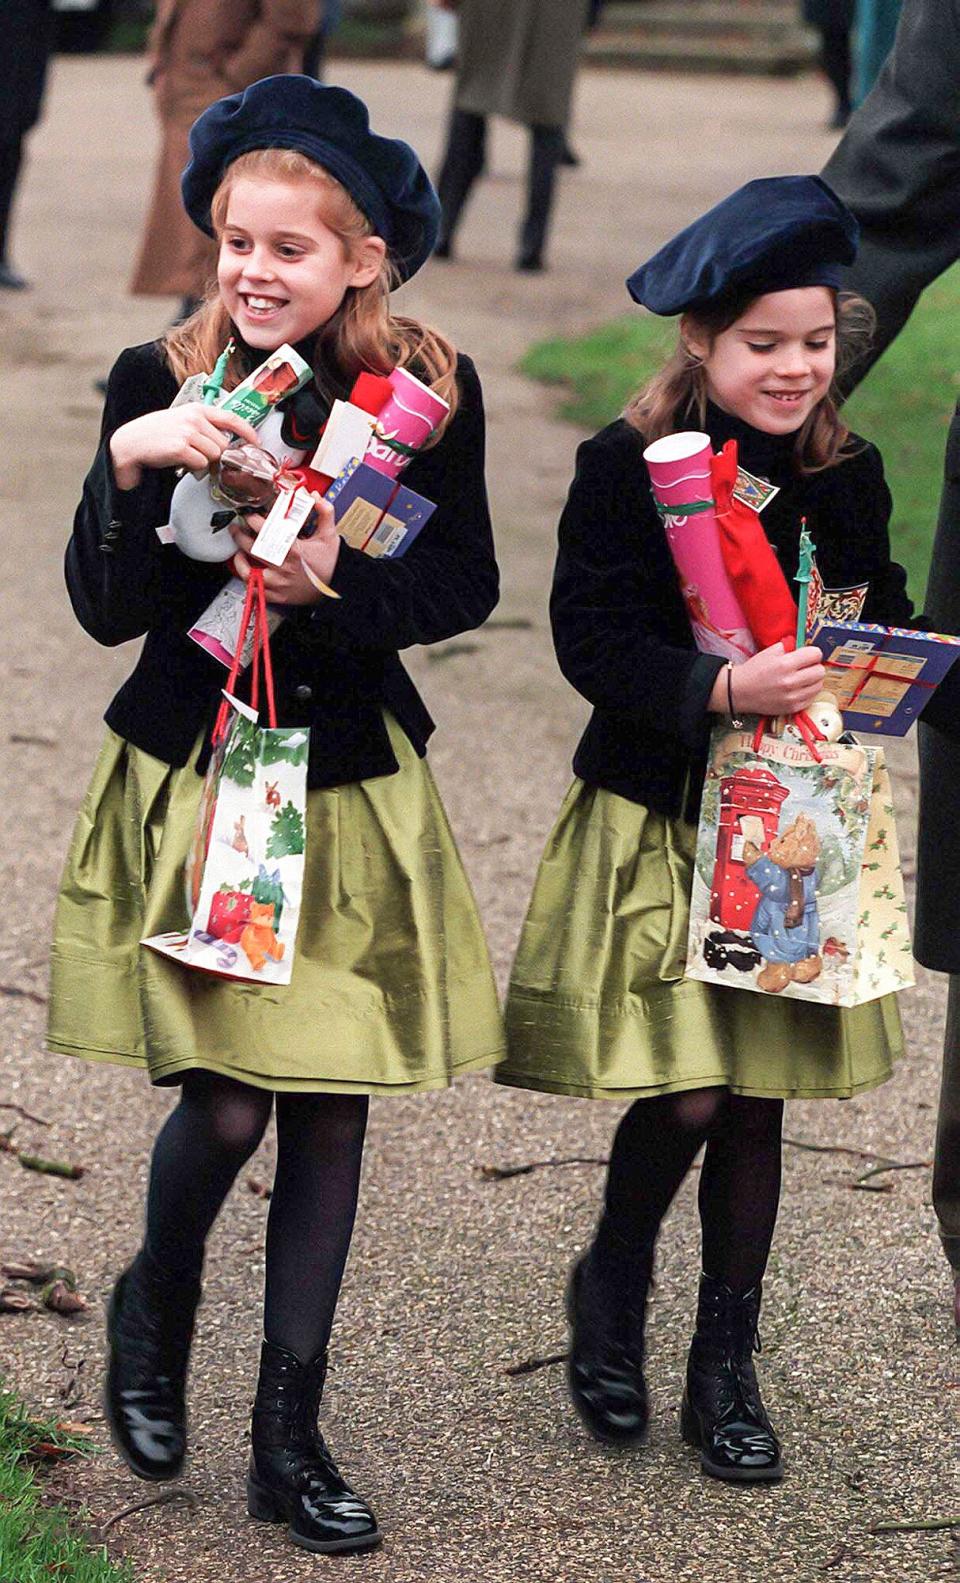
[409, 416]
[679, 468]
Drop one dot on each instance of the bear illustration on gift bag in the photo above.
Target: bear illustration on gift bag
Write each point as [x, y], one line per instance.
[786, 924]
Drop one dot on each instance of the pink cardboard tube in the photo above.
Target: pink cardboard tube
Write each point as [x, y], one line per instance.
[410, 415]
[679, 468]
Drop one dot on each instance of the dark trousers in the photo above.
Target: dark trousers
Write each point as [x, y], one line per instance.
[463, 163]
[837, 62]
[946, 1160]
[10, 156]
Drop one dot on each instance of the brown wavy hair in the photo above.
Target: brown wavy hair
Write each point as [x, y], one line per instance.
[678, 393]
[362, 336]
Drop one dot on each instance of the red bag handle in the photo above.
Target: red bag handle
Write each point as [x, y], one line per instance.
[255, 609]
[810, 732]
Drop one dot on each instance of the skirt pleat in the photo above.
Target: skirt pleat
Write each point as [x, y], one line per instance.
[598, 1005]
[391, 989]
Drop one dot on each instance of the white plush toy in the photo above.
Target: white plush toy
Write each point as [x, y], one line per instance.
[194, 509]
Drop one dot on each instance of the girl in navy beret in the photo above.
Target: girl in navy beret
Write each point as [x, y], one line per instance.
[598, 1005]
[316, 218]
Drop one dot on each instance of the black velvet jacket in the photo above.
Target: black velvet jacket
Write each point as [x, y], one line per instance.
[336, 666]
[621, 632]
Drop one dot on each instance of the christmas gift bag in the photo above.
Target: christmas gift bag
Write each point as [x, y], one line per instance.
[244, 872]
[797, 889]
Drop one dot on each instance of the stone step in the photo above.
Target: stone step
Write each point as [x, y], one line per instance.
[741, 36]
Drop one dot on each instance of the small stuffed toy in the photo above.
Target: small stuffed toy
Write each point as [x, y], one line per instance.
[259, 938]
[786, 924]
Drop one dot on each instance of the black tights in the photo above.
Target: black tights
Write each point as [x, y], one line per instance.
[204, 1143]
[655, 1146]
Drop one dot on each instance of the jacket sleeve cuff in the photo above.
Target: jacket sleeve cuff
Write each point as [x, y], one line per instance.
[696, 696]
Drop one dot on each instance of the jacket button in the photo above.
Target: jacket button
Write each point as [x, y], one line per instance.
[303, 693]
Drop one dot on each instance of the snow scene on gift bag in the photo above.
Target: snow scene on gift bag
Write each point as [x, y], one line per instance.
[797, 888]
[252, 879]
[244, 875]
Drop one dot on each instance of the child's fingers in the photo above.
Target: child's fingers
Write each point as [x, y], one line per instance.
[229, 423]
[241, 566]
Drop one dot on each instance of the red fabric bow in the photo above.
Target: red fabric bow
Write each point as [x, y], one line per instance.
[761, 588]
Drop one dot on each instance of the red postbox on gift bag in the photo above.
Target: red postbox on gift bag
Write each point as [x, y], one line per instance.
[756, 792]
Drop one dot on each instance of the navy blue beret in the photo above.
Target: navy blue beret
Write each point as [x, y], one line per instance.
[330, 125]
[771, 235]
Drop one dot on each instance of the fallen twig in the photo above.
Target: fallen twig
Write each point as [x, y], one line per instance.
[502, 1173]
[863, 1181]
[922, 1525]
[451, 651]
[33, 739]
[508, 624]
[15, 992]
[7, 1104]
[165, 1497]
[837, 1554]
[837, 1148]
[533, 1364]
[35, 1162]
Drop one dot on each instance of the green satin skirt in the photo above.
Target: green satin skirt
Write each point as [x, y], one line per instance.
[391, 990]
[598, 1005]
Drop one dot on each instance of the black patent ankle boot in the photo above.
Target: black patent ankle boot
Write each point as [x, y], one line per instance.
[293, 1478]
[722, 1414]
[605, 1364]
[149, 1330]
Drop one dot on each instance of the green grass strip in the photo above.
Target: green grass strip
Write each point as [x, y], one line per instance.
[37, 1544]
[904, 405]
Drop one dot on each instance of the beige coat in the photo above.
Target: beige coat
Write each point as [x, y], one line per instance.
[201, 50]
[518, 58]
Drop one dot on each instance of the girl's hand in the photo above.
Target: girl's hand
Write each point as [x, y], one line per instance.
[290, 584]
[190, 436]
[772, 682]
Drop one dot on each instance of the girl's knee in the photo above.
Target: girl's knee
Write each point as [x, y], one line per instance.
[234, 1114]
[700, 1108]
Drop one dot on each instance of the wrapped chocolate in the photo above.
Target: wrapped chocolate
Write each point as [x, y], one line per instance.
[245, 478]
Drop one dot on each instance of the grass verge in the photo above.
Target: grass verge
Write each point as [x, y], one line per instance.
[904, 404]
[37, 1543]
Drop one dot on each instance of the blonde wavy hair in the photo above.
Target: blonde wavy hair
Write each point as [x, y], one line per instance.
[362, 336]
[678, 393]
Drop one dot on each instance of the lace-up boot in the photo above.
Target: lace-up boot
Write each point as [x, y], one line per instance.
[149, 1331]
[722, 1414]
[293, 1478]
[605, 1365]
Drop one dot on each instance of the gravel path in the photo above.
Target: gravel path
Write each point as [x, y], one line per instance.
[454, 1279]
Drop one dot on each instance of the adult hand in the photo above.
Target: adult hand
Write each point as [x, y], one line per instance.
[772, 682]
[190, 436]
[309, 561]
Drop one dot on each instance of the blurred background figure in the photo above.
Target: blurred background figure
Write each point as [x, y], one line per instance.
[441, 41]
[201, 50]
[833, 21]
[26, 28]
[315, 54]
[876, 28]
[516, 58]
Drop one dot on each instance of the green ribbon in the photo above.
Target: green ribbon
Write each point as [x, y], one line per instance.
[692, 508]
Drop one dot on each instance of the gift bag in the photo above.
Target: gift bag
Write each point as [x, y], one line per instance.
[797, 889]
[244, 871]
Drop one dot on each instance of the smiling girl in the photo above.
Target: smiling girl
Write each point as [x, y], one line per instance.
[598, 1005]
[391, 992]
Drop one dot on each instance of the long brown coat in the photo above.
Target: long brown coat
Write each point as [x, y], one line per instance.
[201, 50]
[518, 58]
